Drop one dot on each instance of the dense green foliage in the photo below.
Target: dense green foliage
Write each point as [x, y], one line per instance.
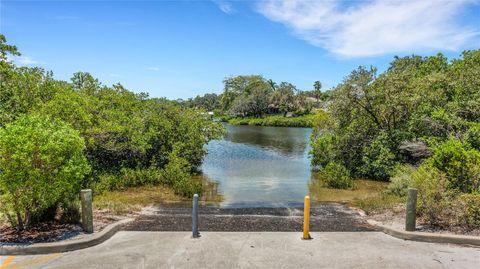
[337, 176]
[208, 102]
[129, 138]
[422, 111]
[275, 120]
[398, 116]
[400, 181]
[459, 163]
[42, 164]
[322, 149]
[177, 174]
[469, 207]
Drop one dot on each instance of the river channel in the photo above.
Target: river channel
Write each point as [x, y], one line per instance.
[256, 166]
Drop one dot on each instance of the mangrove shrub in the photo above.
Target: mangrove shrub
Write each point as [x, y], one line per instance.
[42, 163]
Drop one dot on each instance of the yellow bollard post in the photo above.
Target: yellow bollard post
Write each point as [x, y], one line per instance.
[306, 218]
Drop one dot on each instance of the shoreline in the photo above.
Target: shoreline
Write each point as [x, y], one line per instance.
[304, 121]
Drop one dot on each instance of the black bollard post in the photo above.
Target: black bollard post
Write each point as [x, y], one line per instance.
[195, 232]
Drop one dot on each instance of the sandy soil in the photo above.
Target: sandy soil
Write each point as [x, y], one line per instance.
[396, 219]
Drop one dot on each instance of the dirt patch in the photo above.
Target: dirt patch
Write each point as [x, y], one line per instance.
[395, 219]
[53, 231]
[42, 232]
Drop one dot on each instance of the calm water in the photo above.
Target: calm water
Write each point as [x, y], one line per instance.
[256, 166]
[260, 166]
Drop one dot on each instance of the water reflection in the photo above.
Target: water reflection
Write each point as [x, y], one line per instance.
[287, 141]
[211, 194]
[259, 166]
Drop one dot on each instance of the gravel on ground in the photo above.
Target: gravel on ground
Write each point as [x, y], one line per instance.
[324, 218]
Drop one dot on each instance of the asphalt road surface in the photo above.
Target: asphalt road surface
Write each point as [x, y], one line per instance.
[324, 218]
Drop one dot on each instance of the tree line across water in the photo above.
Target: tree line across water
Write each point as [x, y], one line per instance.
[255, 100]
[57, 137]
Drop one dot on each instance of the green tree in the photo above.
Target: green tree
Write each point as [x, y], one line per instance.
[41, 163]
[417, 100]
[240, 85]
[83, 81]
[6, 49]
[378, 158]
[209, 102]
[273, 84]
[464, 86]
[283, 99]
[22, 90]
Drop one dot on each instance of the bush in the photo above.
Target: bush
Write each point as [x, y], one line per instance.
[469, 204]
[472, 136]
[128, 177]
[378, 159]
[106, 182]
[322, 150]
[446, 184]
[42, 165]
[435, 200]
[460, 163]
[400, 181]
[337, 176]
[177, 175]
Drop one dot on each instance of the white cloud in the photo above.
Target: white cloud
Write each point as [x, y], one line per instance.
[224, 6]
[377, 27]
[154, 68]
[26, 60]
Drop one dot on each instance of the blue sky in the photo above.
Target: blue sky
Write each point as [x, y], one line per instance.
[178, 49]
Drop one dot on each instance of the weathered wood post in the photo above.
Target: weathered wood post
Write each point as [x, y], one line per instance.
[410, 219]
[195, 232]
[87, 211]
[306, 218]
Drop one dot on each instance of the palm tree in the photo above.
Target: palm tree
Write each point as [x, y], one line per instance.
[317, 85]
[272, 84]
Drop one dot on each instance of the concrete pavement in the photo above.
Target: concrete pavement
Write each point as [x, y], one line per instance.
[255, 250]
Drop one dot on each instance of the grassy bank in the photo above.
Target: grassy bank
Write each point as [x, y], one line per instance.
[368, 195]
[365, 189]
[379, 203]
[133, 199]
[275, 120]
